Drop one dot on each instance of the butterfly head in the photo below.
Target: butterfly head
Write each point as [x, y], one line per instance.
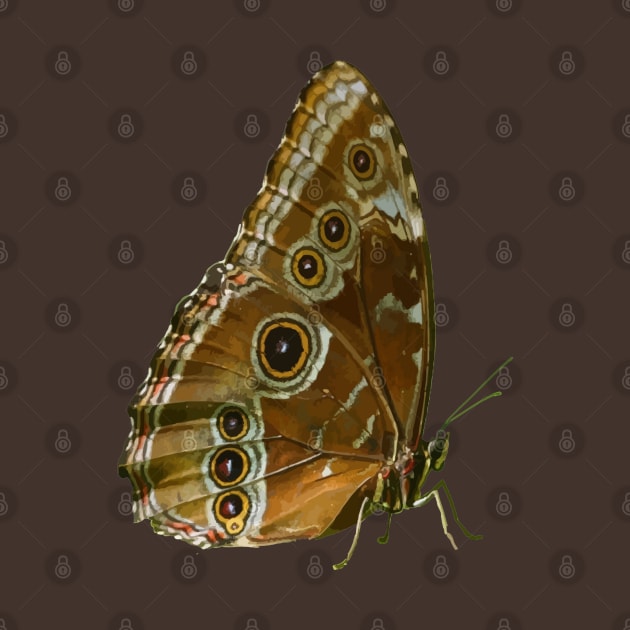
[438, 449]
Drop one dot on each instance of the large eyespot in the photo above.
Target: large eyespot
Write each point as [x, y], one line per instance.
[283, 348]
[233, 423]
[362, 161]
[229, 466]
[230, 509]
[334, 229]
[308, 267]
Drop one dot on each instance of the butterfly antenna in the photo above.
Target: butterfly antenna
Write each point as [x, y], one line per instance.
[463, 410]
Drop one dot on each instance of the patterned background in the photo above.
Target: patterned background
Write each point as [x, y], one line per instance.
[133, 133]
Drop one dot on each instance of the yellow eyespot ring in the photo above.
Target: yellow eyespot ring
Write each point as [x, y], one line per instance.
[222, 456]
[233, 423]
[308, 267]
[295, 356]
[362, 161]
[231, 509]
[330, 228]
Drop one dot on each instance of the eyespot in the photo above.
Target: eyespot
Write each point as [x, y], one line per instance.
[233, 423]
[362, 161]
[334, 230]
[229, 466]
[283, 348]
[308, 267]
[230, 509]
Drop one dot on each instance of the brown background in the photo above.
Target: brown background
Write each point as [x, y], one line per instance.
[80, 320]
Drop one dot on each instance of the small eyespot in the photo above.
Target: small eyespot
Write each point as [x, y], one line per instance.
[229, 466]
[283, 348]
[362, 162]
[233, 423]
[308, 267]
[231, 510]
[334, 230]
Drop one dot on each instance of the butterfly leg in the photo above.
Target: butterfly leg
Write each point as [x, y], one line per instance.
[385, 537]
[355, 540]
[434, 493]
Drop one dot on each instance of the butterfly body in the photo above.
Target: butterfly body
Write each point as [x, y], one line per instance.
[288, 397]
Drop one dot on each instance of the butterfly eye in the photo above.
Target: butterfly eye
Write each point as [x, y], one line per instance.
[334, 230]
[229, 466]
[283, 348]
[233, 424]
[308, 267]
[362, 162]
[231, 509]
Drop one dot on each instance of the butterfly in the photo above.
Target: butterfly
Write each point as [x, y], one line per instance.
[288, 396]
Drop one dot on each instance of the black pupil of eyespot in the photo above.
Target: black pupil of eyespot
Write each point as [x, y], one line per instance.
[334, 229]
[231, 506]
[233, 423]
[283, 348]
[307, 266]
[229, 465]
[361, 161]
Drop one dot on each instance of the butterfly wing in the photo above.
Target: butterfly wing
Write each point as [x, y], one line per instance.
[377, 288]
[275, 395]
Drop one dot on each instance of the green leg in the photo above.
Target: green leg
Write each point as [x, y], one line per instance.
[355, 540]
[434, 494]
[385, 537]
